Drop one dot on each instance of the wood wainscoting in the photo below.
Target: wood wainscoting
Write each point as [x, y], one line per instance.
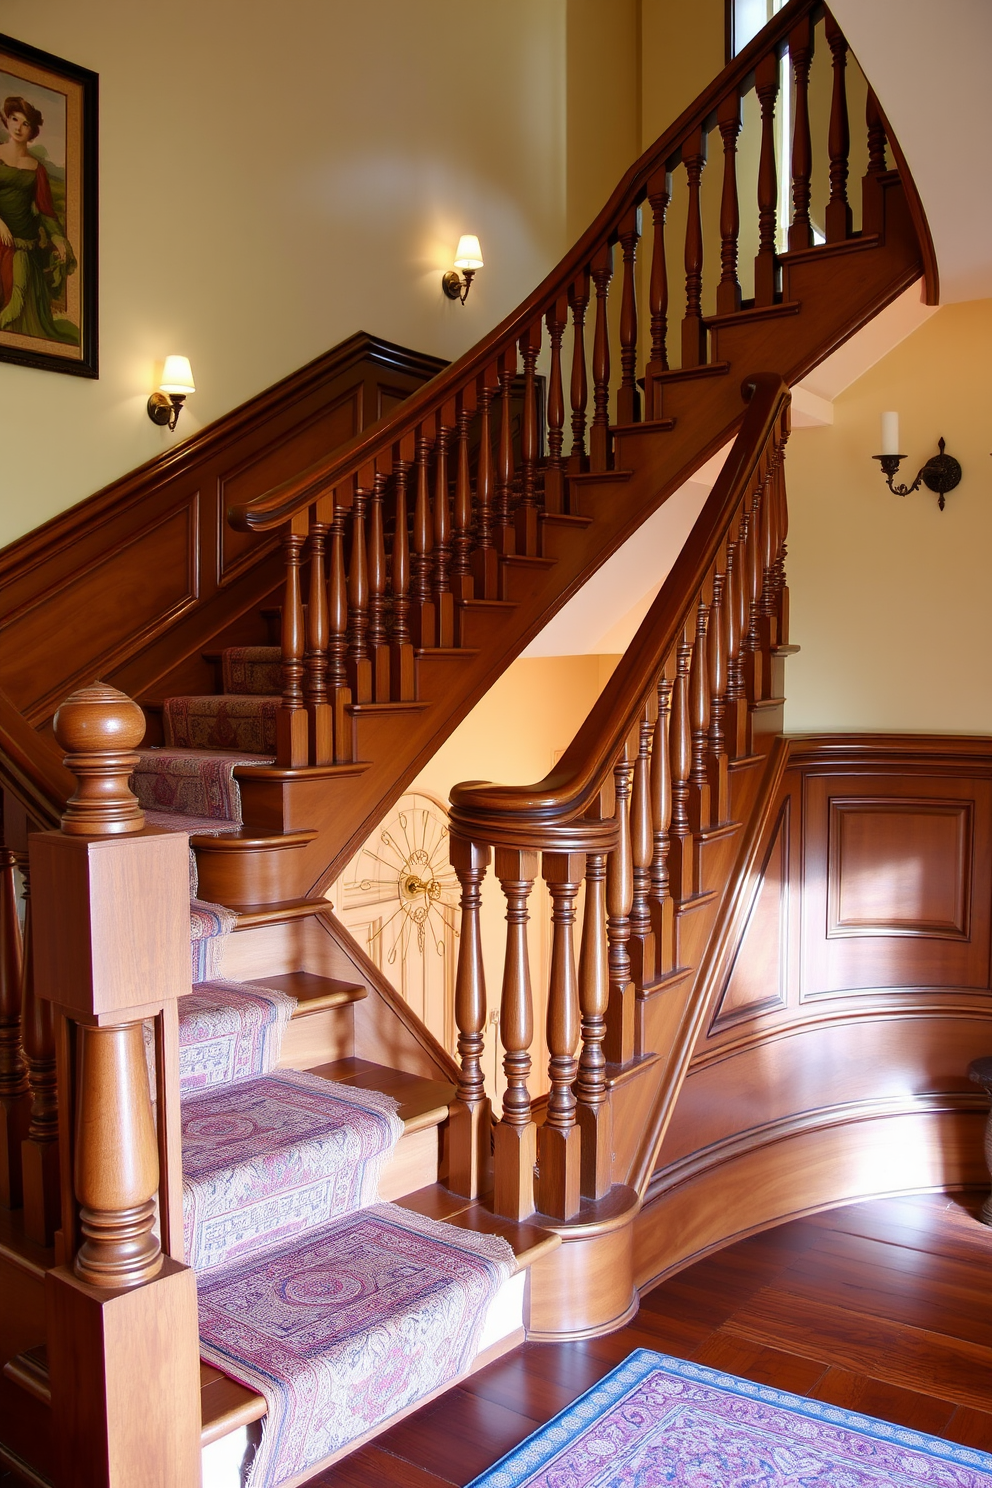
[833, 1063]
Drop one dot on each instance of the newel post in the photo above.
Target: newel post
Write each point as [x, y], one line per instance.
[110, 903]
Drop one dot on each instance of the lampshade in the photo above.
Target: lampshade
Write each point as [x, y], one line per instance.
[177, 376]
[469, 254]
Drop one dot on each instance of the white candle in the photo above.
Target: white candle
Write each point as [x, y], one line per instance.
[890, 434]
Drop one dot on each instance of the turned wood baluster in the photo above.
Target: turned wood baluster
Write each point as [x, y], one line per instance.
[315, 658]
[444, 605]
[338, 690]
[753, 672]
[737, 689]
[378, 649]
[292, 743]
[359, 663]
[526, 514]
[766, 83]
[871, 185]
[628, 395]
[423, 606]
[693, 325]
[578, 298]
[40, 1151]
[593, 1111]
[728, 294]
[402, 684]
[515, 1137]
[642, 940]
[599, 432]
[838, 215]
[505, 534]
[461, 568]
[660, 896]
[781, 587]
[15, 1101]
[699, 716]
[717, 650]
[559, 1141]
[485, 560]
[734, 701]
[680, 843]
[470, 1120]
[619, 1043]
[801, 53]
[554, 474]
[659, 195]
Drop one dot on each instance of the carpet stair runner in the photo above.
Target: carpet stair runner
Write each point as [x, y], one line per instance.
[241, 717]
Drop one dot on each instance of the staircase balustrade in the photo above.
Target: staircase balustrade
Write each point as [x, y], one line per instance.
[626, 814]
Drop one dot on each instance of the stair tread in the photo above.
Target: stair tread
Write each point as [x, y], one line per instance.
[250, 915]
[421, 1102]
[313, 993]
[247, 837]
[225, 1405]
[527, 1240]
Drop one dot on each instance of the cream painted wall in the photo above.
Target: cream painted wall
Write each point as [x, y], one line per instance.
[891, 598]
[604, 103]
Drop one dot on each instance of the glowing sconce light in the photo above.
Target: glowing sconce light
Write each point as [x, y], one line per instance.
[165, 406]
[468, 257]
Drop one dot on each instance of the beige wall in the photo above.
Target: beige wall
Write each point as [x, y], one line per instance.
[891, 598]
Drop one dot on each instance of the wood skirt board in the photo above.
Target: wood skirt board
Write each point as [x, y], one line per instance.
[814, 1169]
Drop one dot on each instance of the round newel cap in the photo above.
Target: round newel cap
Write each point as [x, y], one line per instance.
[99, 728]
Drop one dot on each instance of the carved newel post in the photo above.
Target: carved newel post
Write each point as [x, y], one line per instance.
[110, 901]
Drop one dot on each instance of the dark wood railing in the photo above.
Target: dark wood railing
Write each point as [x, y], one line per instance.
[623, 813]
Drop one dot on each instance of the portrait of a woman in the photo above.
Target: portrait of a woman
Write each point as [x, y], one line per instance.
[35, 256]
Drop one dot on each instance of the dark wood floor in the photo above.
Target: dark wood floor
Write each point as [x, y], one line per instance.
[883, 1307]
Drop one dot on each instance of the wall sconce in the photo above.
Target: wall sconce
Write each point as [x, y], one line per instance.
[468, 257]
[940, 474]
[165, 406]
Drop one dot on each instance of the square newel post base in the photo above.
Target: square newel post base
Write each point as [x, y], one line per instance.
[719, 789]
[514, 1156]
[596, 1126]
[681, 867]
[381, 669]
[618, 1045]
[663, 920]
[642, 950]
[738, 728]
[559, 1156]
[42, 1191]
[124, 1368]
[423, 623]
[470, 1148]
[402, 672]
[321, 733]
[525, 523]
[485, 567]
[292, 737]
[15, 1116]
[445, 620]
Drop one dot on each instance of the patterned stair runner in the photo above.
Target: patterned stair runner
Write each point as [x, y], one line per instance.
[228, 1032]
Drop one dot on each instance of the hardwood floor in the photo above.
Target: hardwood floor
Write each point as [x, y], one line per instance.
[883, 1307]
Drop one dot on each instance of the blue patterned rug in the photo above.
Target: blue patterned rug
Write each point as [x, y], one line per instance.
[657, 1420]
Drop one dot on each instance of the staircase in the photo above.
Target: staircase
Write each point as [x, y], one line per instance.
[418, 560]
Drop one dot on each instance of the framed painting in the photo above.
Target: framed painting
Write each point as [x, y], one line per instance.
[48, 211]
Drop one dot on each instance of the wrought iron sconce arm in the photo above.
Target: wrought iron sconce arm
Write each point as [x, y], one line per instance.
[940, 474]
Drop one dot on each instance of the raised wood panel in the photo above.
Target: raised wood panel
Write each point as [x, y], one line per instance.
[899, 868]
[758, 978]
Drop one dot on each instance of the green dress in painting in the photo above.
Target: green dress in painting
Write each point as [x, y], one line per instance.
[31, 274]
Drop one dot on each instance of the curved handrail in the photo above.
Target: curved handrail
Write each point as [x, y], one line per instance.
[569, 789]
[376, 442]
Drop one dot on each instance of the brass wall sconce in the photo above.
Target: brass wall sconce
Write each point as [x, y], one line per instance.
[165, 406]
[468, 257]
[940, 474]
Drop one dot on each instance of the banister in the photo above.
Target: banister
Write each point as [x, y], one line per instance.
[569, 789]
[376, 442]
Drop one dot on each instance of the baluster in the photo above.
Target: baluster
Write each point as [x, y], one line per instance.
[554, 475]
[559, 1141]
[40, 1150]
[378, 650]
[660, 901]
[766, 83]
[15, 1101]
[402, 679]
[872, 212]
[578, 298]
[619, 1043]
[699, 715]
[734, 692]
[461, 570]
[680, 842]
[801, 53]
[659, 195]
[642, 941]
[315, 659]
[515, 1137]
[358, 662]
[838, 215]
[593, 1112]
[728, 294]
[717, 648]
[599, 432]
[737, 688]
[526, 515]
[292, 743]
[505, 534]
[781, 587]
[754, 670]
[338, 690]
[693, 325]
[422, 613]
[629, 396]
[470, 1122]
[444, 605]
[485, 560]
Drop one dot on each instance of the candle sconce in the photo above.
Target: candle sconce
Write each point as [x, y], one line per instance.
[940, 474]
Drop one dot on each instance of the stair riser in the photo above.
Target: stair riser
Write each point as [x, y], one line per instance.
[318, 1038]
[262, 875]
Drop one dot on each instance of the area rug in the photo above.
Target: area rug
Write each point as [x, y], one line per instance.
[338, 1333]
[265, 1160]
[230, 1031]
[657, 1420]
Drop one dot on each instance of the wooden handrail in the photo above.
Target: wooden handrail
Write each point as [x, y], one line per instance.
[376, 442]
[567, 791]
